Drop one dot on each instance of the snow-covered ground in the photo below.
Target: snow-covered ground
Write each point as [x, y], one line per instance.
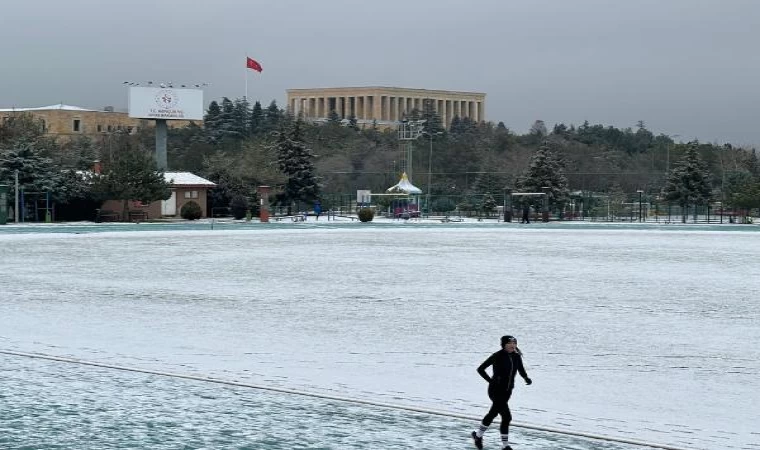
[48, 405]
[646, 333]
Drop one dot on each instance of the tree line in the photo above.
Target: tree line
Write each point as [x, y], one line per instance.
[468, 165]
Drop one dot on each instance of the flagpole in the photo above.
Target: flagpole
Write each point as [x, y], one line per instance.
[246, 78]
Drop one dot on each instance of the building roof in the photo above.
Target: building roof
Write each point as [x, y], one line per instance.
[416, 91]
[186, 179]
[48, 108]
[404, 186]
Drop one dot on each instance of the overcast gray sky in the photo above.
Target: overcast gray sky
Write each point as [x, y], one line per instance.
[687, 67]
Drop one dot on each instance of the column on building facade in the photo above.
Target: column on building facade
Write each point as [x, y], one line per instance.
[377, 107]
[392, 108]
[386, 111]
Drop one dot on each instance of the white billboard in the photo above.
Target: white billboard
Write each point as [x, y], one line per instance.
[165, 103]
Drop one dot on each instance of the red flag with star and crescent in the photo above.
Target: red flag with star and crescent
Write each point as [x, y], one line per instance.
[253, 64]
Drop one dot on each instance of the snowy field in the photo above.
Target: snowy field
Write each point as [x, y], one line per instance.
[646, 333]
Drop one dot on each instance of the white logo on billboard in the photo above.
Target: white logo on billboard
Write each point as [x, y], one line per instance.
[166, 99]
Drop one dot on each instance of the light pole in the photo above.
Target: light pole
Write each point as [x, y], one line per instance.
[430, 167]
[430, 111]
[640, 192]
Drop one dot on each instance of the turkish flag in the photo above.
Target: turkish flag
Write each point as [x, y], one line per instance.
[252, 64]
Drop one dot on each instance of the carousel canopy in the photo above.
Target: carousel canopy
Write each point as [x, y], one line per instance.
[404, 187]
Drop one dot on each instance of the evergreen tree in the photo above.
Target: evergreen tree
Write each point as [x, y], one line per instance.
[352, 123]
[257, 119]
[689, 181]
[433, 123]
[241, 118]
[228, 125]
[131, 175]
[746, 196]
[36, 173]
[272, 117]
[456, 126]
[545, 169]
[538, 129]
[296, 162]
[333, 117]
[79, 153]
[753, 166]
[211, 121]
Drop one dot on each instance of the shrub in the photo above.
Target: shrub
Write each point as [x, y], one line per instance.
[239, 207]
[191, 211]
[366, 214]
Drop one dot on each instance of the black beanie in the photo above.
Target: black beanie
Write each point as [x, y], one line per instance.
[506, 339]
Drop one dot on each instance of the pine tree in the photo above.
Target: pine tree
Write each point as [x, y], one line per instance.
[333, 117]
[433, 123]
[689, 181]
[35, 172]
[546, 169]
[456, 126]
[753, 166]
[296, 161]
[538, 129]
[241, 118]
[257, 119]
[228, 126]
[131, 175]
[272, 117]
[352, 123]
[211, 121]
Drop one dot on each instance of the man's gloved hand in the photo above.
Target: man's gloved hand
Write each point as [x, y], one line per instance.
[528, 381]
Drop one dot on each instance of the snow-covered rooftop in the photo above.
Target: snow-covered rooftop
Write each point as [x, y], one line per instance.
[186, 179]
[47, 108]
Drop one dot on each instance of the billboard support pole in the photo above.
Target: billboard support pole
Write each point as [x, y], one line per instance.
[161, 137]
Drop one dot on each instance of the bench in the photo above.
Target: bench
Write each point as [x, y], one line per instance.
[137, 216]
[107, 216]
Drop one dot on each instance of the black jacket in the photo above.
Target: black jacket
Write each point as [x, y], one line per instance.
[505, 366]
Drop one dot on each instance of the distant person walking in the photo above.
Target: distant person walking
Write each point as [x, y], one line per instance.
[317, 209]
[525, 214]
[505, 363]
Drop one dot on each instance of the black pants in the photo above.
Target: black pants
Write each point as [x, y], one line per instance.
[500, 405]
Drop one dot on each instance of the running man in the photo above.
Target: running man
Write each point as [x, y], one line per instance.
[506, 363]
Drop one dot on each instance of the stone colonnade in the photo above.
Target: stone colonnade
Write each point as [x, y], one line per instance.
[384, 104]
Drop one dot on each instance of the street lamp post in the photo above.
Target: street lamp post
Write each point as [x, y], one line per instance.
[640, 192]
[430, 167]
[430, 172]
